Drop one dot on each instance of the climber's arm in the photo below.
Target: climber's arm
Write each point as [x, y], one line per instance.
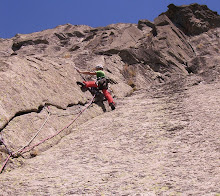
[86, 72]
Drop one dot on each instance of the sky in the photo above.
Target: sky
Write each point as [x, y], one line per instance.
[28, 16]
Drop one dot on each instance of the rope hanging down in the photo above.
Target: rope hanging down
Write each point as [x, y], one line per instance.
[50, 137]
[9, 152]
[6, 161]
[24, 150]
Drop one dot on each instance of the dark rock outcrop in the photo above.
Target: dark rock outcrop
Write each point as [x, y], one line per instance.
[193, 19]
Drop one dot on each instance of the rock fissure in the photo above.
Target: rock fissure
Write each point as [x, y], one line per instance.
[39, 110]
[21, 113]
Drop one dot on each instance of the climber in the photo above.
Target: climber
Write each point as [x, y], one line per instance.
[101, 83]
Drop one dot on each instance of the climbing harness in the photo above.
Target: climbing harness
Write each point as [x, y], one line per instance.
[26, 149]
[102, 83]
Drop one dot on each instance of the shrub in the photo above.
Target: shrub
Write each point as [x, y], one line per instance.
[129, 72]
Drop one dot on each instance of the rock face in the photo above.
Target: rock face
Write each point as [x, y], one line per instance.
[194, 19]
[180, 49]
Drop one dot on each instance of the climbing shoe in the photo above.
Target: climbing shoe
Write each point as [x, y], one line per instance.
[80, 84]
[112, 105]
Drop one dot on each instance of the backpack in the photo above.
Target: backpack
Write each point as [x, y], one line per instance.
[102, 83]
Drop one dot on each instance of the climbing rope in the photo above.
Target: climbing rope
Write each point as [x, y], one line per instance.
[6, 161]
[25, 149]
[22, 148]
[50, 137]
[9, 152]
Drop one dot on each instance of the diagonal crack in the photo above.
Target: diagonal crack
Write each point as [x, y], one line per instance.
[38, 110]
[20, 113]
